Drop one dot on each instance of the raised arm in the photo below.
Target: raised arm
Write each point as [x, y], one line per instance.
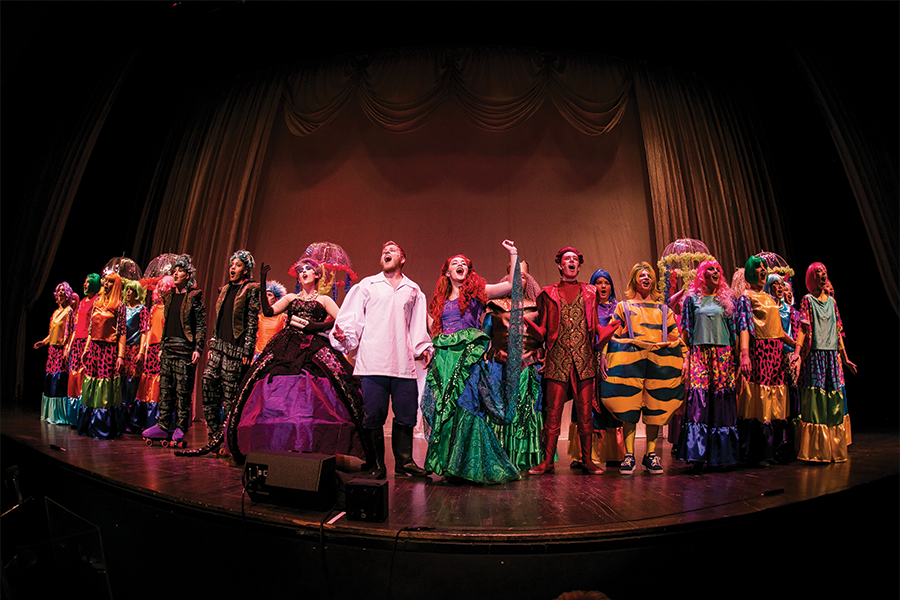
[498, 290]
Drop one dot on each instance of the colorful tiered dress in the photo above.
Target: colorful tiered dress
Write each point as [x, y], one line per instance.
[79, 340]
[823, 434]
[137, 322]
[101, 414]
[763, 425]
[299, 395]
[146, 403]
[458, 401]
[55, 404]
[709, 429]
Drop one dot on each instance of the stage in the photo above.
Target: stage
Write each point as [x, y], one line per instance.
[170, 523]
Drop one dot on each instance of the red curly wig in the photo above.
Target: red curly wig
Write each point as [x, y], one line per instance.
[471, 289]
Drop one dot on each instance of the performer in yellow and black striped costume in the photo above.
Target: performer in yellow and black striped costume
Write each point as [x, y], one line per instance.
[644, 365]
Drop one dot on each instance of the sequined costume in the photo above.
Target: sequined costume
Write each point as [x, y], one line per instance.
[709, 429]
[79, 340]
[146, 405]
[299, 395]
[137, 323]
[521, 439]
[823, 432]
[101, 414]
[55, 404]
[458, 400]
[763, 397]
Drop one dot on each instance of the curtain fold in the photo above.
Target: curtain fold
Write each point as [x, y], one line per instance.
[211, 190]
[870, 174]
[708, 175]
[49, 201]
[495, 88]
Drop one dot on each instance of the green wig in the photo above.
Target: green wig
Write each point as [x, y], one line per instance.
[93, 283]
[750, 269]
[136, 287]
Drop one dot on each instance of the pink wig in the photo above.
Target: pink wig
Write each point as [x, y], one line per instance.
[165, 284]
[722, 291]
[811, 276]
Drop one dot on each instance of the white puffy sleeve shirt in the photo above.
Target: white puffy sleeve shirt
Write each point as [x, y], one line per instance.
[388, 326]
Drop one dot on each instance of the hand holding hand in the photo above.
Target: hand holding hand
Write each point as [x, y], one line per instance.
[338, 333]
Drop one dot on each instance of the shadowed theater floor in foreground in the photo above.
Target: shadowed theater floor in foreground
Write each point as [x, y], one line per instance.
[114, 514]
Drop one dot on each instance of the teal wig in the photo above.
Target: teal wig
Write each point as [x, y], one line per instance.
[750, 269]
[93, 285]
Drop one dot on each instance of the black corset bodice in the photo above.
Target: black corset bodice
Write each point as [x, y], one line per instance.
[310, 310]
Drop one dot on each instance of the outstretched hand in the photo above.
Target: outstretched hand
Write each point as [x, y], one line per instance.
[510, 246]
[264, 271]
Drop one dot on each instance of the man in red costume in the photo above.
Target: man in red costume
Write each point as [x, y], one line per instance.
[567, 322]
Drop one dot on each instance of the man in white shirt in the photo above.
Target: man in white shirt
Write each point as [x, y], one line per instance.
[385, 317]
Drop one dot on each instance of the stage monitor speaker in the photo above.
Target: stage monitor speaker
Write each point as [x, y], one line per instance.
[367, 500]
[297, 479]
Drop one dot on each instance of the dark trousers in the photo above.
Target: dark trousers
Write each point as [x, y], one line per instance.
[378, 391]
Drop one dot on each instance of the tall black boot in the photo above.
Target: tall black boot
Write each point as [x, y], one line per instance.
[402, 445]
[374, 439]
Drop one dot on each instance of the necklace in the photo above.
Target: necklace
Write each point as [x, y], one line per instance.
[313, 295]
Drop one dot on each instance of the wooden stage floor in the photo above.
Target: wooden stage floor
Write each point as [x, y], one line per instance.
[535, 515]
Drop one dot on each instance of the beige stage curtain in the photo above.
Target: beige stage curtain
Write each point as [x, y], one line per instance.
[495, 88]
[708, 177]
[209, 191]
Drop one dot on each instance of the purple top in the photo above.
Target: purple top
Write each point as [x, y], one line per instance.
[451, 321]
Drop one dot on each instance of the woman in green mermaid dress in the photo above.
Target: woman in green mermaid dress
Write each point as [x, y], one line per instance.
[459, 398]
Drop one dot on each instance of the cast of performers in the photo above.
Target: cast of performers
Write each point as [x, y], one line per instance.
[521, 438]
[137, 324]
[461, 443]
[763, 425]
[101, 413]
[709, 435]
[269, 326]
[567, 324]
[232, 343]
[55, 405]
[183, 339]
[608, 443]
[823, 434]
[644, 361]
[78, 342]
[146, 406]
[300, 394]
[383, 318]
